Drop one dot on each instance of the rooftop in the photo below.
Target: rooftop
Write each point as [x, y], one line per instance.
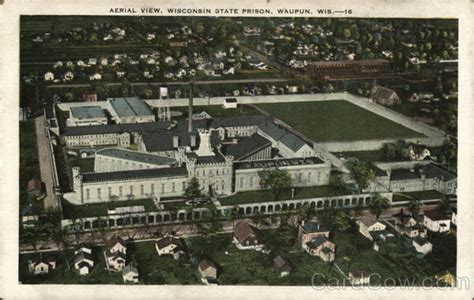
[286, 137]
[136, 156]
[275, 163]
[129, 107]
[117, 128]
[135, 174]
[88, 112]
[247, 146]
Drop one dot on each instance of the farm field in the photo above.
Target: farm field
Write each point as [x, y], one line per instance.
[337, 121]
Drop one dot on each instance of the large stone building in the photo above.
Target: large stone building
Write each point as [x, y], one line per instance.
[86, 116]
[130, 110]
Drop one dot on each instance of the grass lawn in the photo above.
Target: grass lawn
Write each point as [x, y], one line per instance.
[219, 111]
[370, 156]
[71, 211]
[264, 196]
[86, 164]
[63, 275]
[422, 195]
[336, 121]
[249, 267]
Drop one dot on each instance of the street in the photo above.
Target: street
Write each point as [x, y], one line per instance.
[45, 162]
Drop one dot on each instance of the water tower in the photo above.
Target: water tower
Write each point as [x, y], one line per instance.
[164, 112]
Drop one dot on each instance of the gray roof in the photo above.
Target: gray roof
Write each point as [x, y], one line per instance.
[163, 141]
[88, 112]
[274, 163]
[247, 146]
[284, 136]
[316, 242]
[430, 170]
[217, 158]
[117, 128]
[135, 174]
[130, 268]
[310, 227]
[129, 107]
[136, 156]
[403, 174]
[420, 241]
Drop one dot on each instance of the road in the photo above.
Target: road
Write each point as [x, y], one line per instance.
[45, 162]
[197, 82]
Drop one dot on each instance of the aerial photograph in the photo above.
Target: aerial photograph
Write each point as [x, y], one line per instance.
[250, 151]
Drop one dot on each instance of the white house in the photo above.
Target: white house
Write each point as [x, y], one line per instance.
[369, 226]
[359, 277]
[68, 76]
[83, 261]
[48, 76]
[116, 254]
[40, 264]
[169, 245]
[130, 274]
[422, 246]
[208, 271]
[436, 221]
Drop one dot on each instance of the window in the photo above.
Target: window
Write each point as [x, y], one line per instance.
[173, 187]
[162, 188]
[217, 172]
[131, 190]
[110, 191]
[152, 189]
[184, 185]
[241, 182]
[120, 191]
[251, 181]
[142, 189]
[88, 195]
[98, 193]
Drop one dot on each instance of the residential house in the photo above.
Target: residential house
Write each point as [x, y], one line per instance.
[359, 277]
[41, 264]
[321, 246]
[246, 236]
[130, 274]
[372, 229]
[83, 260]
[30, 216]
[48, 76]
[208, 271]
[169, 245]
[282, 265]
[436, 221]
[405, 224]
[116, 253]
[422, 246]
[384, 96]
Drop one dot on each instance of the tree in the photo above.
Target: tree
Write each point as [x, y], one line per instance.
[414, 207]
[443, 204]
[337, 182]
[360, 172]
[335, 219]
[193, 190]
[275, 180]
[378, 205]
[233, 214]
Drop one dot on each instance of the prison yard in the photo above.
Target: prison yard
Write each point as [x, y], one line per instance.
[337, 121]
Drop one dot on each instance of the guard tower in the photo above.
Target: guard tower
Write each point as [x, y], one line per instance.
[164, 112]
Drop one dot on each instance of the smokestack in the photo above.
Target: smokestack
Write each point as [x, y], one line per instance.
[190, 108]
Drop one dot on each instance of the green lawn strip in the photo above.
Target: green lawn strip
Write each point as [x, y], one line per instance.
[71, 211]
[354, 123]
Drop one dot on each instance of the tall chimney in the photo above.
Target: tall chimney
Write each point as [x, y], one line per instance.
[190, 108]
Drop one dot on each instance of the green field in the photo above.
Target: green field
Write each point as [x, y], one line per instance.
[336, 121]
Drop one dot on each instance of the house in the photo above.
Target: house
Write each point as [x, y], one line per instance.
[41, 264]
[373, 229]
[282, 265]
[405, 224]
[208, 271]
[246, 237]
[384, 96]
[130, 274]
[48, 76]
[30, 216]
[169, 245]
[359, 277]
[422, 246]
[68, 76]
[83, 260]
[436, 221]
[35, 188]
[116, 254]
[89, 97]
[321, 246]
[230, 103]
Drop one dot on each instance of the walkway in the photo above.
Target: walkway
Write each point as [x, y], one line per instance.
[44, 157]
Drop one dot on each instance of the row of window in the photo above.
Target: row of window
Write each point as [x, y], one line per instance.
[111, 191]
